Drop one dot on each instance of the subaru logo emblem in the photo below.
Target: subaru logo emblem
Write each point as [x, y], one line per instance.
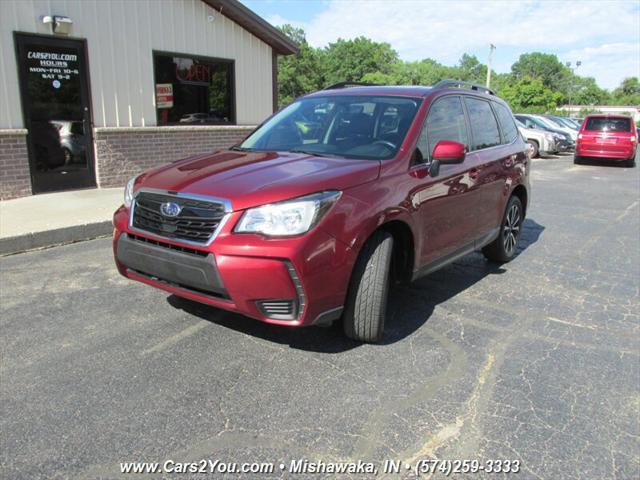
[170, 209]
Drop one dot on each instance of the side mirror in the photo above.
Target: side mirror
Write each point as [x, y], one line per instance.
[446, 152]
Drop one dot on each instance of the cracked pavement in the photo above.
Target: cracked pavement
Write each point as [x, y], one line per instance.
[536, 360]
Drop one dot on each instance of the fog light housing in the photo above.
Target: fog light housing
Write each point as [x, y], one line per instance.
[279, 309]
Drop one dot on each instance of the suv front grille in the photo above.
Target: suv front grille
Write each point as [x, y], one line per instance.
[196, 222]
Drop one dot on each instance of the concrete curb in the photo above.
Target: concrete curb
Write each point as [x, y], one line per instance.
[50, 238]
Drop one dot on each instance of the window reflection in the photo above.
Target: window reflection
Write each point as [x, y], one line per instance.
[193, 90]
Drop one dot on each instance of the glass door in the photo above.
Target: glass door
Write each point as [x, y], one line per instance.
[54, 88]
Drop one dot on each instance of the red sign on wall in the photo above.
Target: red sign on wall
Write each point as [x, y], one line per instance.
[196, 74]
[164, 95]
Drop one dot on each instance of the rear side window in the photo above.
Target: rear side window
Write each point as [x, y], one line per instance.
[608, 124]
[505, 119]
[445, 122]
[484, 127]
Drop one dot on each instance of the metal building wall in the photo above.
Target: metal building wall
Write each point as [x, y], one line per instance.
[121, 35]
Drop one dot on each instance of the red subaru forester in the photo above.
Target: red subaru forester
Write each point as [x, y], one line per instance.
[313, 216]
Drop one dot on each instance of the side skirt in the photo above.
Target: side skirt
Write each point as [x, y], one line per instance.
[439, 263]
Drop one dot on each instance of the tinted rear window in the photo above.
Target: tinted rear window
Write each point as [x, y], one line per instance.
[484, 126]
[505, 119]
[608, 124]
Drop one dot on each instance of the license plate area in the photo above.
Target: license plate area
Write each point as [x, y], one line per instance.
[606, 141]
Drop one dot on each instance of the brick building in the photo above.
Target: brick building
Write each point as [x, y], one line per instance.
[97, 91]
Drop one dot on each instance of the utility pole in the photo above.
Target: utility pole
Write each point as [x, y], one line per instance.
[492, 47]
[568, 64]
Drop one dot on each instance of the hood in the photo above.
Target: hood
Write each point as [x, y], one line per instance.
[249, 179]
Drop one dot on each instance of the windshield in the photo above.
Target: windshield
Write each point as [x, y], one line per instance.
[541, 124]
[549, 123]
[567, 123]
[560, 122]
[367, 127]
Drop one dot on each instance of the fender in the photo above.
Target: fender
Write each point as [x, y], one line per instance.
[353, 219]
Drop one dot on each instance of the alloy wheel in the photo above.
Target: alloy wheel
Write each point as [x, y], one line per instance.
[511, 229]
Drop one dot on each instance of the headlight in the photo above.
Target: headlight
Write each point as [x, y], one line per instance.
[128, 192]
[292, 217]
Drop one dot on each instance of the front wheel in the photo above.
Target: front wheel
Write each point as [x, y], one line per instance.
[367, 300]
[535, 149]
[504, 247]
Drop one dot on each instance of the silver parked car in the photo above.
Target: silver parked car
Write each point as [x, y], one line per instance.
[542, 143]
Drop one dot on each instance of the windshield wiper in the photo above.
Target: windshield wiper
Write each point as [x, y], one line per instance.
[238, 148]
[315, 154]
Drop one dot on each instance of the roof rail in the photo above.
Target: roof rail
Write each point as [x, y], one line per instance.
[458, 83]
[338, 85]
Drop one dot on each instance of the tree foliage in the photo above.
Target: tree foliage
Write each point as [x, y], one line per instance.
[351, 60]
[585, 91]
[301, 73]
[538, 82]
[471, 70]
[546, 67]
[530, 94]
[628, 93]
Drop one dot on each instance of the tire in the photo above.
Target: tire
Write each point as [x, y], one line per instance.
[631, 162]
[577, 160]
[503, 249]
[536, 148]
[369, 288]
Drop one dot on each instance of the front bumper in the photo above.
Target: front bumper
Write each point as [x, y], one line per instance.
[289, 281]
[565, 145]
[548, 146]
[195, 271]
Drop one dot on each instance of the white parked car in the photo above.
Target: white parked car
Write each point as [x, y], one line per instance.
[558, 126]
[542, 142]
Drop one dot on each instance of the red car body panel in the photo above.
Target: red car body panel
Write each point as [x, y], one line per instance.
[604, 144]
[445, 214]
[249, 179]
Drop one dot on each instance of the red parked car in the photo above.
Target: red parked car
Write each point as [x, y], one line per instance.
[314, 215]
[610, 137]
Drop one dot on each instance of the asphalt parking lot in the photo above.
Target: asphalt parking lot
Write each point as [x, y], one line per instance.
[536, 361]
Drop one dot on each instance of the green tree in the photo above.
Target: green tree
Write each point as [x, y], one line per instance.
[422, 72]
[546, 67]
[530, 95]
[538, 82]
[585, 91]
[500, 80]
[301, 73]
[351, 60]
[471, 70]
[628, 93]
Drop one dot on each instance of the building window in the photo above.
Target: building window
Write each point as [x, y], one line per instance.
[193, 90]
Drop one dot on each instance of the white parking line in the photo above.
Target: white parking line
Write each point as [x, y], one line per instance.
[177, 337]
